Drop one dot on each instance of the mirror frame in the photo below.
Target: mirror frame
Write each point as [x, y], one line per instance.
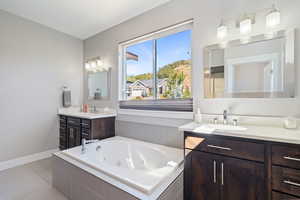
[289, 75]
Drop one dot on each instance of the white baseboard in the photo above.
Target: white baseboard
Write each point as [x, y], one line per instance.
[26, 159]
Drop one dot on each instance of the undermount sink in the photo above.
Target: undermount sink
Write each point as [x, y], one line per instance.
[224, 127]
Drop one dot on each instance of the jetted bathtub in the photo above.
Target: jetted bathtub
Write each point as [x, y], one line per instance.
[138, 164]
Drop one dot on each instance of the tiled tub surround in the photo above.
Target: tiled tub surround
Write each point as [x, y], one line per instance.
[165, 134]
[131, 171]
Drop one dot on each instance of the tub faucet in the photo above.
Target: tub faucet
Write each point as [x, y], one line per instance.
[98, 148]
[225, 115]
[84, 142]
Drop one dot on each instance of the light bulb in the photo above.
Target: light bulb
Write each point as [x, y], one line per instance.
[99, 62]
[222, 31]
[273, 18]
[94, 65]
[87, 66]
[246, 26]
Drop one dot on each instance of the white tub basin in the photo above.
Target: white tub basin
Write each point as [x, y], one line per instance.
[139, 164]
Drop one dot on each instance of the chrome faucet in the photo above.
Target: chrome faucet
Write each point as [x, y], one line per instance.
[94, 108]
[84, 142]
[225, 116]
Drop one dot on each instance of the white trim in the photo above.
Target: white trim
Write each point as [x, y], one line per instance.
[186, 25]
[157, 114]
[146, 36]
[26, 159]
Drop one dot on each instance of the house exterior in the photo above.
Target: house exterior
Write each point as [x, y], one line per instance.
[144, 88]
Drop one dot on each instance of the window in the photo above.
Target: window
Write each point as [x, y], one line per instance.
[156, 70]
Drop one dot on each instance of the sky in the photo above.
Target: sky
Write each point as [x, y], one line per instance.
[169, 49]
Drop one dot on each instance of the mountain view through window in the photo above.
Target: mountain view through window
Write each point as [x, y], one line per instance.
[159, 69]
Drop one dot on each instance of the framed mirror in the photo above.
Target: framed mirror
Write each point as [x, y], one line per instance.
[261, 68]
[98, 84]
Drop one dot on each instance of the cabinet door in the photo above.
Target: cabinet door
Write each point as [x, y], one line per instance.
[242, 179]
[204, 181]
[280, 196]
[74, 136]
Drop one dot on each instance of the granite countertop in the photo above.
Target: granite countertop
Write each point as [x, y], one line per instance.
[265, 133]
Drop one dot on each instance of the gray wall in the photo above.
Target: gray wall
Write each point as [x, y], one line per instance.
[207, 16]
[35, 62]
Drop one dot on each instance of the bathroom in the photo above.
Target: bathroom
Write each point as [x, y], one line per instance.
[69, 70]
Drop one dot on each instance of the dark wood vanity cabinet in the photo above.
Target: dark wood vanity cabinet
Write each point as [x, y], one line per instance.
[72, 130]
[231, 168]
[204, 183]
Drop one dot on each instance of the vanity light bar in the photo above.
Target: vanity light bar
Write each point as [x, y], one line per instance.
[95, 65]
[273, 19]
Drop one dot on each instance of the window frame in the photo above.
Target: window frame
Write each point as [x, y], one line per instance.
[154, 104]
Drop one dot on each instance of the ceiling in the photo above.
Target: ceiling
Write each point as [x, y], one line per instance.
[79, 18]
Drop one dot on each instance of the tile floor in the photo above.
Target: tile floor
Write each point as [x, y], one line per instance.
[29, 182]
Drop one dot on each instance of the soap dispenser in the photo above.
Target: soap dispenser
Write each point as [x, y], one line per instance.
[198, 115]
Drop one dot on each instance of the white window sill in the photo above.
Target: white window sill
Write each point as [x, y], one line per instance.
[157, 114]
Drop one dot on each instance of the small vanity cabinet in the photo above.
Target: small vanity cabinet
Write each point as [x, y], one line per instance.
[73, 129]
[231, 168]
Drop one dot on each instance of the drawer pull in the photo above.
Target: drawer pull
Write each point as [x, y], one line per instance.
[291, 183]
[218, 147]
[215, 171]
[222, 173]
[291, 158]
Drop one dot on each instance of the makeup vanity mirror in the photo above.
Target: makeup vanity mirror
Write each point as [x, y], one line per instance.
[98, 84]
[261, 68]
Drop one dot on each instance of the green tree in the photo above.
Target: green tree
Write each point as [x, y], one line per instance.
[146, 76]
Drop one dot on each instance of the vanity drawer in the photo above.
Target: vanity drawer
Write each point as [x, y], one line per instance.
[73, 121]
[286, 156]
[286, 180]
[62, 121]
[86, 123]
[229, 147]
[280, 196]
[62, 124]
[62, 132]
[62, 118]
[85, 133]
